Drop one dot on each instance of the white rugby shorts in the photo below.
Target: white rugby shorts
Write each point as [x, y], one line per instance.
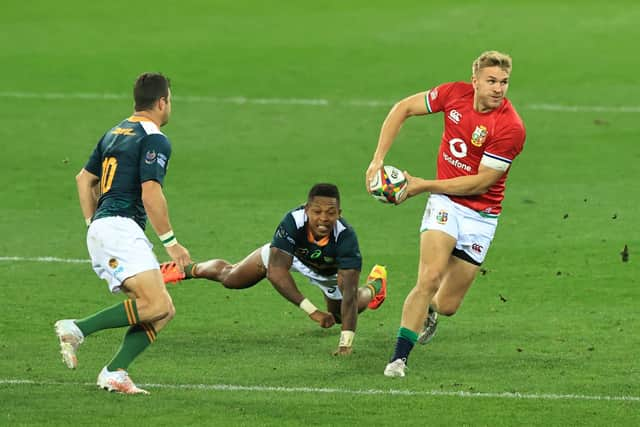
[472, 230]
[119, 249]
[328, 284]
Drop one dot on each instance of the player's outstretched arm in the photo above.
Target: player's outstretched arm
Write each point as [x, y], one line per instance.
[413, 105]
[281, 279]
[348, 281]
[87, 184]
[157, 210]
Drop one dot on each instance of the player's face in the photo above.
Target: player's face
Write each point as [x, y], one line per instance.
[323, 213]
[165, 106]
[490, 85]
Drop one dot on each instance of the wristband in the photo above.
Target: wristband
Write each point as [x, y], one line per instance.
[168, 239]
[346, 338]
[307, 306]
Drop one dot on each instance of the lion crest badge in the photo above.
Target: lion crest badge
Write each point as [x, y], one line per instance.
[479, 136]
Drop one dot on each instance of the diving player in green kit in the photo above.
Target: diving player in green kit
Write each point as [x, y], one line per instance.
[317, 242]
[127, 170]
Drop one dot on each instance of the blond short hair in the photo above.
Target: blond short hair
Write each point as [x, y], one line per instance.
[491, 58]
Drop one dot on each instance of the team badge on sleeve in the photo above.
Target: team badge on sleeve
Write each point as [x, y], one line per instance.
[150, 157]
[479, 135]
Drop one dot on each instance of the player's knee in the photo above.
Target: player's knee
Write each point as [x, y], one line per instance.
[162, 307]
[171, 311]
[426, 289]
[430, 279]
[448, 308]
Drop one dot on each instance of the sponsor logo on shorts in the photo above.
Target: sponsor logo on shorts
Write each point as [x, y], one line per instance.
[442, 217]
[150, 157]
[479, 135]
[113, 263]
[331, 290]
[476, 247]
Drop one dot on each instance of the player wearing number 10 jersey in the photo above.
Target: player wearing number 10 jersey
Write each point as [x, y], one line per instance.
[119, 187]
[133, 152]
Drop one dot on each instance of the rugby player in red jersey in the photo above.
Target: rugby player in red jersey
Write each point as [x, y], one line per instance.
[482, 136]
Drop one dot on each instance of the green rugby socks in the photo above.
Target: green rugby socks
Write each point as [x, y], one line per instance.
[189, 270]
[119, 315]
[136, 340]
[406, 340]
[374, 286]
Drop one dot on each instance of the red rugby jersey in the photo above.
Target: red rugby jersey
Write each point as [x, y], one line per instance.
[469, 135]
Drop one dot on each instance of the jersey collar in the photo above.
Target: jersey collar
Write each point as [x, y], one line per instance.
[322, 242]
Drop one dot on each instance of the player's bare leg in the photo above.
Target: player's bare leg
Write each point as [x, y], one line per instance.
[334, 306]
[365, 295]
[241, 275]
[153, 302]
[455, 284]
[435, 251]
[149, 302]
[152, 299]
[149, 309]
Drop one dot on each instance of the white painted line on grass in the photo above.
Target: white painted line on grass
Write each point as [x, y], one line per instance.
[43, 259]
[369, 392]
[321, 102]
[582, 108]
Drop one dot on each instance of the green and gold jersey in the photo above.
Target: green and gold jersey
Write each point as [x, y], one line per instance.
[131, 153]
[338, 251]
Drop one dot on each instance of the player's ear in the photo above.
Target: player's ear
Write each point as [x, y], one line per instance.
[162, 103]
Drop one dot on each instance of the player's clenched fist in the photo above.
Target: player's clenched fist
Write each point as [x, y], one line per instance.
[325, 320]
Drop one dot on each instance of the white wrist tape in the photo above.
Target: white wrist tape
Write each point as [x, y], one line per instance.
[346, 338]
[307, 306]
[168, 239]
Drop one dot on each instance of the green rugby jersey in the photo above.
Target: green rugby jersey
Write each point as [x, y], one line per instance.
[339, 250]
[129, 154]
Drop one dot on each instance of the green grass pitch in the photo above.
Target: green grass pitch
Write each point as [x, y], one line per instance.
[271, 97]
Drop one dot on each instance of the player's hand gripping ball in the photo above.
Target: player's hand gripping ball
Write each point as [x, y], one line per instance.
[388, 185]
